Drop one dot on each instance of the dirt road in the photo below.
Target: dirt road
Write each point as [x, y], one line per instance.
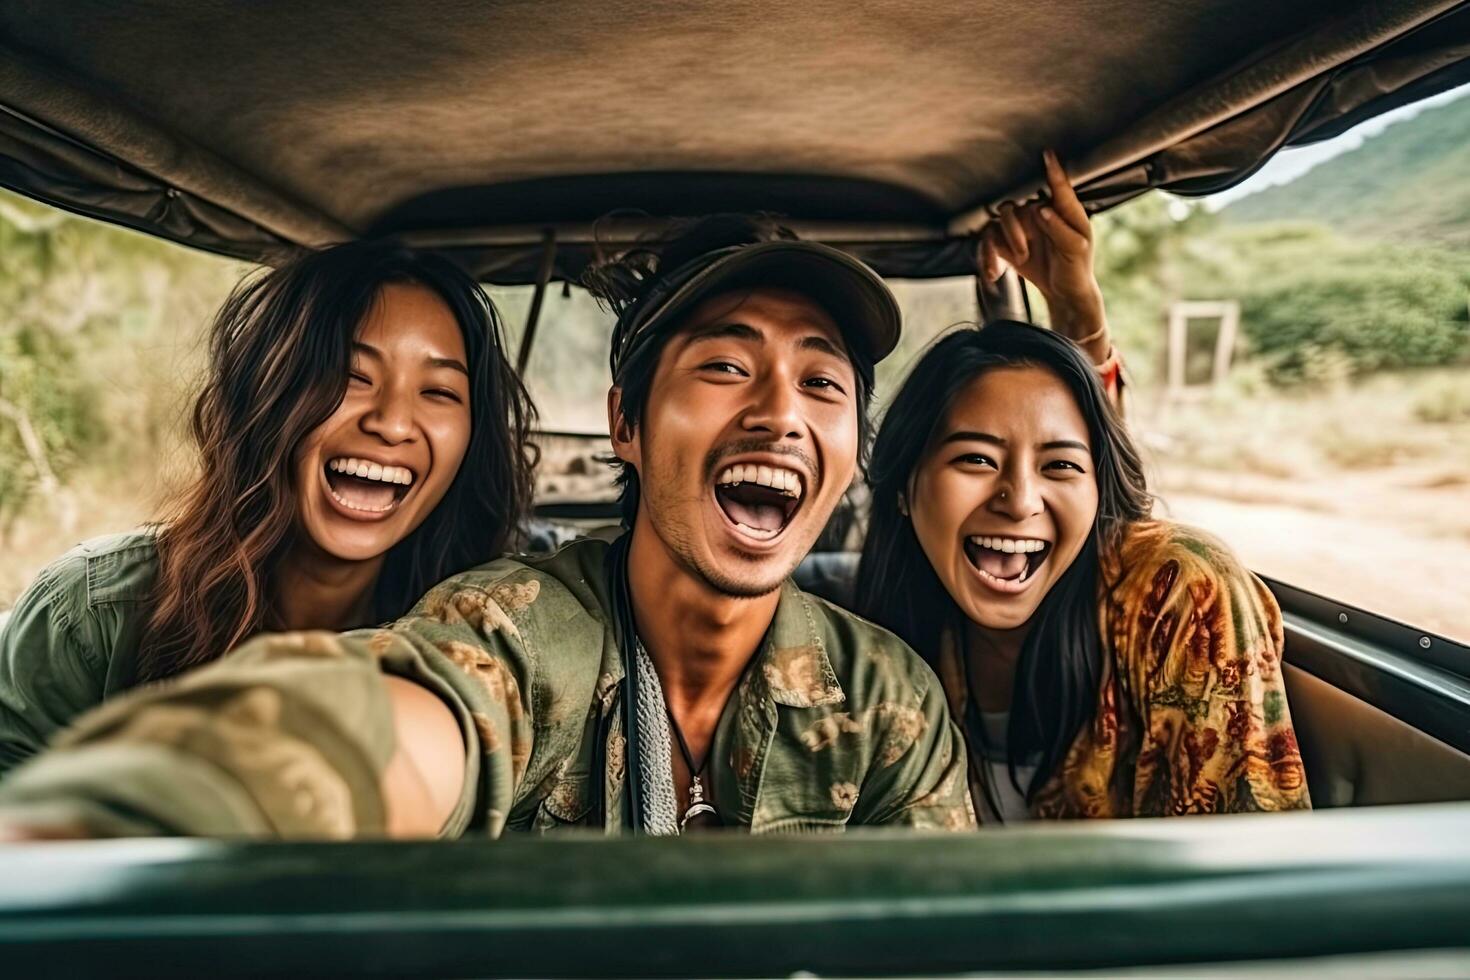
[1396, 541]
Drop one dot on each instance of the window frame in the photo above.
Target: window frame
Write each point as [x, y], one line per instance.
[1415, 675]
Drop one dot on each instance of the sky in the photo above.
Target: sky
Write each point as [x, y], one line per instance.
[1290, 164]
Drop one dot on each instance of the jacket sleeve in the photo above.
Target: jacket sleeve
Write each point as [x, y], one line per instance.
[288, 736]
[918, 775]
[1114, 378]
[1200, 640]
[48, 676]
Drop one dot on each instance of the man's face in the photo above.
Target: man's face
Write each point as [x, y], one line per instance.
[748, 439]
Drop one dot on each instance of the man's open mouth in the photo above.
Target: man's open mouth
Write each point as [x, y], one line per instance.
[759, 500]
[366, 487]
[1004, 563]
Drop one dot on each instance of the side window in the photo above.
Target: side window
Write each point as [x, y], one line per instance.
[567, 374]
[567, 377]
[101, 337]
[1300, 351]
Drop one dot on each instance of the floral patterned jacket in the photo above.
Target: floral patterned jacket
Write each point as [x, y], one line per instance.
[1191, 713]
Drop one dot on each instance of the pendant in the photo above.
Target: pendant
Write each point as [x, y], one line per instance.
[698, 807]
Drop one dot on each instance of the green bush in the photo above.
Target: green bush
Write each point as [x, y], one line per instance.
[1378, 318]
[98, 343]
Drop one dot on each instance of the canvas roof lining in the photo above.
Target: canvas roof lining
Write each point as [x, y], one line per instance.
[353, 108]
[88, 130]
[65, 142]
[1432, 57]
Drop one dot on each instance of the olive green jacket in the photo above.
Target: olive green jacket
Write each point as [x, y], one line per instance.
[71, 641]
[839, 723]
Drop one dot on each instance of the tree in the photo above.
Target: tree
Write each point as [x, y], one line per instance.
[92, 320]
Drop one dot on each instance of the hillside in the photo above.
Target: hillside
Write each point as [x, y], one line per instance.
[1410, 183]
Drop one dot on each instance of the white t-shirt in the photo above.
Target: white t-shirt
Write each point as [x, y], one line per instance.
[1012, 801]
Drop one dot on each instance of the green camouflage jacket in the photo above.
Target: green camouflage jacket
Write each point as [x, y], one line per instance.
[840, 723]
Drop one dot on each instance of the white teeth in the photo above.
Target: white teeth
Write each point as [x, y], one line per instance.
[1018, 580]
[1024, 546]
[366, 510]
[787, 481]
[369, 470]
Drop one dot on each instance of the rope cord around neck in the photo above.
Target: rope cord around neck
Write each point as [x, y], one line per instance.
[625, 634]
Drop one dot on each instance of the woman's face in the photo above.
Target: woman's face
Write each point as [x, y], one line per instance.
[1005, 495]
[380, 464]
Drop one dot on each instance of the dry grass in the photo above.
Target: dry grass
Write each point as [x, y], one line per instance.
[1306, 433]
[1345, 490]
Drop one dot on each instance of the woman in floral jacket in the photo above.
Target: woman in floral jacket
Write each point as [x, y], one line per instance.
[1100, 662]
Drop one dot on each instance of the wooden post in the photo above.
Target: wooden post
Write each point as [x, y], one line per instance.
[1227, 312]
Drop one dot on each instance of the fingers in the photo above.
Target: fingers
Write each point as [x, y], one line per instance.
[1031, 226]
[1064, 196]
[11, 833]
[1065, 238]
[1015, 235]
[993, 263]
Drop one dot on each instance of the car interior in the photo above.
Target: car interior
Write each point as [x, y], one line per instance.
[892, 130]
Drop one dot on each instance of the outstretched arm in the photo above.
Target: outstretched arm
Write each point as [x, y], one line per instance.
[425, 775]
[410, 731]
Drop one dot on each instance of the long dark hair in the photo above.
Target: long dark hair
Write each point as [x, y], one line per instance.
[280, 350]
[1060, 664]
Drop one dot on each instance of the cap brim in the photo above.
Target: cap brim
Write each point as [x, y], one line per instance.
[856, 298]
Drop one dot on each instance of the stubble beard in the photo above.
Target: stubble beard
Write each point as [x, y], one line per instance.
[678, 539]
[730, 586]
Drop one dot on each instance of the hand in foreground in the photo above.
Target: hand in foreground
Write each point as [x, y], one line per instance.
[1049, 244]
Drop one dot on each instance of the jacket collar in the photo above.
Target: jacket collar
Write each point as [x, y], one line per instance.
[794, 669]
[794, 665]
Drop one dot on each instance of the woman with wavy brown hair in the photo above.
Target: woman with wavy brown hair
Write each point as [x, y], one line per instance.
[361, 436]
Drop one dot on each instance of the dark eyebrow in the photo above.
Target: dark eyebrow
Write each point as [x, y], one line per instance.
[1065, 444]
[823, 345]
[998, 441]
[735, 331]
[453, 363]
[975, 437]
[449, 362]
[742, 331]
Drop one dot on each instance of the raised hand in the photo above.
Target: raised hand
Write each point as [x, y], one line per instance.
[1049, 244]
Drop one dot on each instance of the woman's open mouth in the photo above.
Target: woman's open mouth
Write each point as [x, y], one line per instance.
[759, 500]
[1005, 564]
[365, 490]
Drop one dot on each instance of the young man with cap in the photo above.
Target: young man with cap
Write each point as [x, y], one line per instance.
[674, 680]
